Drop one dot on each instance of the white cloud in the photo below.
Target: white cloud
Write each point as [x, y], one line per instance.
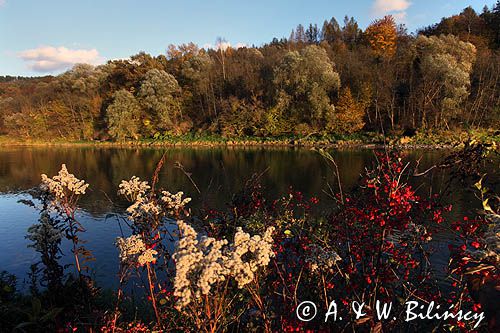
[396, 8]
[2, 2]
[48, 58]
[400, 16]
[224, 45]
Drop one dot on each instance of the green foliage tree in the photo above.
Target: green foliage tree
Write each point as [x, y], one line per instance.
[78, 89]
[159, 93]
[196, 75]
[241, 118]
[305, 82]
[446, 65]
[123, 116]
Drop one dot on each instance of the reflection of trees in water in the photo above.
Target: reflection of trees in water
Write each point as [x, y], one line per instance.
[219, 172]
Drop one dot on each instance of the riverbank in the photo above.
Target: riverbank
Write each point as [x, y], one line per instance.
[421, 140]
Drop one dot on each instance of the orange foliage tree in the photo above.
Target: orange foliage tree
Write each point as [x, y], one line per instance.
[349, 114]
[382, 35]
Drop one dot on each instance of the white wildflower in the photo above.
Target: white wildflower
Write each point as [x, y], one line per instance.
[198, 264]
[64, 184]
[143, 209]
[147, 256]
[133, 250]
[212, 265]
[174, 202]
[130, 247]
[133, 188]
[247, 254]
[201, 264]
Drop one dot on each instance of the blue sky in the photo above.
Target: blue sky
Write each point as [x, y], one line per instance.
[40, 37]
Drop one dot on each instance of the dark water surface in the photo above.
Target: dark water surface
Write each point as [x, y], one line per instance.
[218, 172]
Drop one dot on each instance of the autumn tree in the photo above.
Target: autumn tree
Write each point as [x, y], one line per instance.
[348, 116]
[123, 116]
[468, 26]
[331, 31]
[178, 55]
[382, 36]
[78, 89]
[351, 32]
[241, 118]
[285, 86]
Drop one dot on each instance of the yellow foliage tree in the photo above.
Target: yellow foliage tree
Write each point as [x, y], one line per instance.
[382, 36]
[348, 115]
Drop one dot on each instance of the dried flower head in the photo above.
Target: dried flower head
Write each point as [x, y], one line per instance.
[201, 264]
[133, 188]
[143, 209]
[198, 264]
[64, 184]
[248, 253]
[133, 250]
[148, 256]
[174, 202]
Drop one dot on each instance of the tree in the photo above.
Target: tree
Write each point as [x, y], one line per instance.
[300, 35]
[123, 116]
[401, 81]
[331, 31]
[78, 89]
[240, 118]
[304, 83]
[158, 94]
[494, 24]
[468, 26]
[223, 49]
[196, 75]
[445, 64]
[312, 34]
[348, 115]
[350, 31]
[382, 36]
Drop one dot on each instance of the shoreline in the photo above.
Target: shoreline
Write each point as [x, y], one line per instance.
[229, 144]
[366, 141]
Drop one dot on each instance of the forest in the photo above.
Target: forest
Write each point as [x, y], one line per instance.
[331, 79]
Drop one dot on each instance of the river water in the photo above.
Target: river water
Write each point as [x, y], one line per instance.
[217, 172]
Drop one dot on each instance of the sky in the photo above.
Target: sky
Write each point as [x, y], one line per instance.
[41, 37]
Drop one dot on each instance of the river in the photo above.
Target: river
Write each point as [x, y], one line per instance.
[217, 172]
